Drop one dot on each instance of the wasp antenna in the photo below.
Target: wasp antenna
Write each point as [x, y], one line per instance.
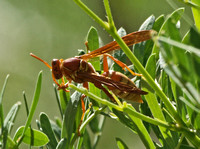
[31, 54]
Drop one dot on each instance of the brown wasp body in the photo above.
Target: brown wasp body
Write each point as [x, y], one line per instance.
[77, 69]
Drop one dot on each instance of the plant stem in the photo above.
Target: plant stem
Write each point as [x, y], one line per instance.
[123, 108]
[108, 12]
[146, 118]
[190, 135]
[91, 14]
[96, 98]
[89, 119]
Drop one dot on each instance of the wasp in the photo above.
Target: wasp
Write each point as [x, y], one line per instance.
[79, 70]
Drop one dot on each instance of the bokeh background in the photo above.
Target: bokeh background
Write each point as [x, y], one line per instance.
[56, 29]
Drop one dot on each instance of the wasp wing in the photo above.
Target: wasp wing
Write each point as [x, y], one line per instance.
[129, 39]
[121, 86]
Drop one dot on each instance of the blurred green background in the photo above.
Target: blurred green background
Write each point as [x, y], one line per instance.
[56, 29]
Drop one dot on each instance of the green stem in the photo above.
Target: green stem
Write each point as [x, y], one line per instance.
[96, 98]
[180, 142]
[109, 14]
[85, 123]
[92, 14]
[123, 108]
[191, 4]
[90, 118]
[190, 135]
[146, 118]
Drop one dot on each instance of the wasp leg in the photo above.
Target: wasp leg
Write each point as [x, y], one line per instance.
[85, 84]
[60, 86]
[86, 44]
[121, 64]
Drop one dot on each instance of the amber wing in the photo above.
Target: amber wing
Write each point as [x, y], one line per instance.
[129, 39]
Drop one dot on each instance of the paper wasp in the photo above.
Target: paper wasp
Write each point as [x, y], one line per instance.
[77, 69]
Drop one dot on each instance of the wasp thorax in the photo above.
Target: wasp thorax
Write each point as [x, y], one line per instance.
[56, 69]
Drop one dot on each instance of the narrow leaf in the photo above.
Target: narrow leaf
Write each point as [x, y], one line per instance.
[69, 116]
[93, 44]
[142, 131]
[62, 144]
[86, 140]
[196, 13]
[64, 97]
[180, 45]
[9, 120]
[140, 50]
[39, 138]
[119, 54]
[34, 102]
[47, 129]
[121, 144]
[1, 104]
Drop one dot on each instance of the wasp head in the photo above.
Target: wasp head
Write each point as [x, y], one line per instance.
[56, 68]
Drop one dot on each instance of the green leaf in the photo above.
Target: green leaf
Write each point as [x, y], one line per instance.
[1, 104]
[34, 103]
[47, 129]
[183, 146]
[151, 99]
[196, 14]
[140, 50]
[5, 137]
[93, 39]
[197, 121]
[93, 44]
[194, 37]
[94, 125]
[97, 136]
[144, 109]
[136, 125]
[9, 120]
[63, 99]
[119, 54]
[69, 117]
[173, 18]
[10, 144]
[56, 129]
[151, 65]
[39, 138]
[181, 64]
[165, 84]
[62, 144]
[142, 131]
[86, 140]
[158, 23]
[58, 100]
[157, 113]
[177, 92]
[121, 144]
[182, 46]
[125, 120]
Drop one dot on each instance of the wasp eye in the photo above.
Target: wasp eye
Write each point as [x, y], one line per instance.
[55, 62]
[56, 69]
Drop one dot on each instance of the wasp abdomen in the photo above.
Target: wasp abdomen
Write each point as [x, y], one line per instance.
[129, 92]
